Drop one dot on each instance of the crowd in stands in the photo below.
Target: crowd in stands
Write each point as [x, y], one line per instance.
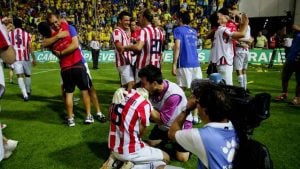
[99, 17]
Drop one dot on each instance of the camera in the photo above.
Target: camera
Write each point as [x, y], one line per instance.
[247, 111]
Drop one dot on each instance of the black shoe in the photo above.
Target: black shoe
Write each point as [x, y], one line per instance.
[26, 99]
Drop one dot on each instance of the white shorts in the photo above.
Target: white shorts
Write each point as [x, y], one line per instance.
[240, 61]
[145, 155]
[185, 76]
[126, 74]
[22, 67]
[226, 72]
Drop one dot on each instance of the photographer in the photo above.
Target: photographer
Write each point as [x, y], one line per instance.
[214, 144]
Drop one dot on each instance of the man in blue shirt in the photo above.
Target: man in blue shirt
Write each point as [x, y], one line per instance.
[186, 66]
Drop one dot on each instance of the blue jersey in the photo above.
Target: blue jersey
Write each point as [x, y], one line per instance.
[295, 48]
[73, 33]
[188, 55]
[220, 145]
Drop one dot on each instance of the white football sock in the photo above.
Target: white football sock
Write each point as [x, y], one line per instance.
[28, 84]
[241, 81]
[245, 80]
[22, 86]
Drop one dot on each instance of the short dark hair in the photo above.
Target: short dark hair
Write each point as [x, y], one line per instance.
[224, 11]
[185, 17]
[17, 23]
[122, 14]
[147, 14]
[44, 29]
[213, 98]
[213, 19]
[151, 73]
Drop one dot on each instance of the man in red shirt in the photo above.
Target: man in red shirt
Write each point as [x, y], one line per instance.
[73, 72]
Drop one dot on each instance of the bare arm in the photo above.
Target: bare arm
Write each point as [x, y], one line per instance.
[175, 56]
[31, 51]
[155, 116]
[72, 47]
[243, 28]
[180, 119]
[136, 47]
[296, 28]
[177, 124]
[49, 41]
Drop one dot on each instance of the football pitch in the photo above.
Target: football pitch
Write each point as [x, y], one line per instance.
[46, 142]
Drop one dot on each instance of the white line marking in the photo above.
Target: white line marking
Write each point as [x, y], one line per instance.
[45, 71]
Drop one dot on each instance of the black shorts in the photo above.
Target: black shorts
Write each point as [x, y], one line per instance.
[289, 68]
[158, 134]
[75, 75]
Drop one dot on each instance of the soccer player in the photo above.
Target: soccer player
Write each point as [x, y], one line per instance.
[168, 100]
[149, 45]
[129, 119]
[92, 91]
[73, 71]
[21, 40]
[8, 55]
[222, 52]
[123, 58]
[186, 66]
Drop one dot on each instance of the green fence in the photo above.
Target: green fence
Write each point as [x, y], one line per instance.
[257, 56]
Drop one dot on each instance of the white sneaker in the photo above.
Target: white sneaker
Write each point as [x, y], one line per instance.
[11, 145]
[196, 120]
[89, 119]
[71, 122]
[101, 117]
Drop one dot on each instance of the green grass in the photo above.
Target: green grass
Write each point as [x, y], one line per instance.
[45, 142]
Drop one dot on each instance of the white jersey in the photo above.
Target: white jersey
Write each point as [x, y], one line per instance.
[21, 40]
[222, 52]
[120, 36]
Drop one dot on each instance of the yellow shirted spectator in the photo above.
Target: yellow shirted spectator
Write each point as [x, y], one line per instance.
[207, 43]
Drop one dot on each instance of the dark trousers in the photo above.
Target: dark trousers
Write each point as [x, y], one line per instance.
[95, 57]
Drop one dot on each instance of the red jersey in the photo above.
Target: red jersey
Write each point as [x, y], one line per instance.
[232, 26]
[20, 39]
[126, 118]
[135, 34]
[120, 36]
[152, 51]
[63, 43]
[4, 40]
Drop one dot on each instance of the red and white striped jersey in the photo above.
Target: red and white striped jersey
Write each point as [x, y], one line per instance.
[4, 40]
[151, 53]
[21, 40]
[120, 36]
[126, 119]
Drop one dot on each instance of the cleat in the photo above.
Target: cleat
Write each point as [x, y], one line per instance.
[71, 122]
[101, 117]
[89, 119]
